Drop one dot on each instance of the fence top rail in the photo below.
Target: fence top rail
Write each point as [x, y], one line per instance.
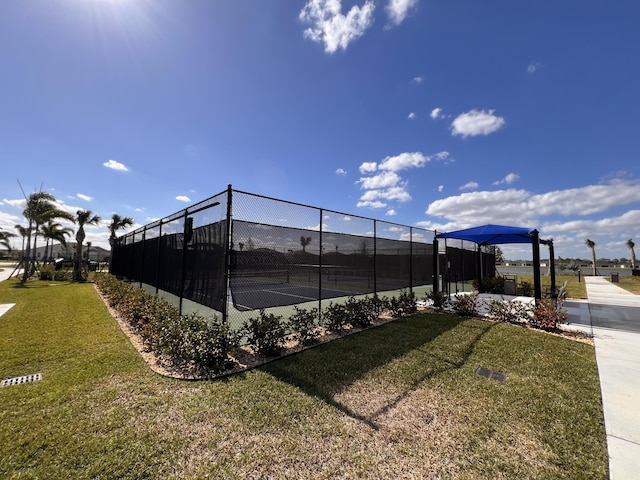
[211, 202]
[327, 210]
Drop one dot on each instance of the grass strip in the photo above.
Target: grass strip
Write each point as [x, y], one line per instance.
[398, 401]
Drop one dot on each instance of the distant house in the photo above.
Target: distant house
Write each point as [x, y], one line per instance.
[97, 254]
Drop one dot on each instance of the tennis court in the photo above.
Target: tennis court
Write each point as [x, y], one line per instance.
[295, 284]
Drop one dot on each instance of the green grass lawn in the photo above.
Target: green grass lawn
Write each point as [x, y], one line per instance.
[575, 288]
[398, 401]
[631, 284]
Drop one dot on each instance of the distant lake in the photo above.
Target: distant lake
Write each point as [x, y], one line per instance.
[604, 272]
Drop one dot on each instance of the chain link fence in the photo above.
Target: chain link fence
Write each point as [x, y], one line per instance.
[237, 253]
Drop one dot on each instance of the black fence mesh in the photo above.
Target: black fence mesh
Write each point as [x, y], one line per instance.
[237, 253]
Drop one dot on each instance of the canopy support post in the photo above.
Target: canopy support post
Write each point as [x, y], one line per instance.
[535, 243]
[436, 262]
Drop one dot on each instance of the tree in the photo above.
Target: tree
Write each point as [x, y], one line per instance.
[39, 209]
[83, 217]
[498, 253]
[23, 232]
[4, 239]
[304, 241]
[117, 223]
[54, 231]
[631, 245]
[592, 245]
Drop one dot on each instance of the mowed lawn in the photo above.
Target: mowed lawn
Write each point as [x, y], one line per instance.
[398, 401]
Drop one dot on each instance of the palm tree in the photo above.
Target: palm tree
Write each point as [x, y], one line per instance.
[54, 231]
[40, 208]
[630, 244]
[4, 239]
[117, 223]
[304, 241]
[83, 217]
[24, 233]
[592, 245]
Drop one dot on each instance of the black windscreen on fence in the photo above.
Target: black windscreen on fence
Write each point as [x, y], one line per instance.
[238, 252]
[204, 279]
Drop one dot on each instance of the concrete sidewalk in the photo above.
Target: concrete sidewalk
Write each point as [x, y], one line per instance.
[7, 269]
[613, 316]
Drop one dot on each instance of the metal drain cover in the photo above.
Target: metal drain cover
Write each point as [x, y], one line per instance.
[20, 380]
[491, 374]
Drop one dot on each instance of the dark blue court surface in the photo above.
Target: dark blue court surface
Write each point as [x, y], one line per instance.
[254, 298]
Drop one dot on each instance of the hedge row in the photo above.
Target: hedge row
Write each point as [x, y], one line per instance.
[189, 342]
[543, 315]
[267, 332]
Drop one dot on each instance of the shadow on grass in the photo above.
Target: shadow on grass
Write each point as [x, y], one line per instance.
[419, 347]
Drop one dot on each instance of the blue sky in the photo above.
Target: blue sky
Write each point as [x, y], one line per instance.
[440, 114]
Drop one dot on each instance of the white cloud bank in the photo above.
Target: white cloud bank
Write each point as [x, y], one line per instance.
[552, 213]
[183, 198]
[86, 198]
[476, 122]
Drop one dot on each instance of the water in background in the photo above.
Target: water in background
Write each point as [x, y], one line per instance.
[604, 272]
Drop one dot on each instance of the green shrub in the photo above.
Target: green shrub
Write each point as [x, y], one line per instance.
[49, 273]
[304, 324]
[525, 289]
[361, 313]
[489, 285]
[547, 317]
[335, 317]
[404, 304]
[187, 341]
[440, 299]
[509, 312]
[265, 333]
[466, 305]
[195, 342]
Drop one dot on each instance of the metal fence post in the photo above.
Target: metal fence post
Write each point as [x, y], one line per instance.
[185, 232]
[375, 255]
[320, 264]
[227, 256]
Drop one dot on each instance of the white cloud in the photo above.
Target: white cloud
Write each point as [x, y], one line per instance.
[397, 10]
[333, 29]
[115, 165]
[418, 80]
[86, 198]
[341, 171]
[397, 192]
[404, 161]
[387, 184]
[19, 203]
[533, 67]
[391, 213]
[368, 167]
[509, 179]
[412, 115]
[382, 180]
[469, 186]
[476, 122]
[183, 198]
[436, 113]
[371, 204]
[440, 188]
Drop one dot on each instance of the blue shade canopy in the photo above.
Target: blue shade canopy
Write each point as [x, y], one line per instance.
[492, 234]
